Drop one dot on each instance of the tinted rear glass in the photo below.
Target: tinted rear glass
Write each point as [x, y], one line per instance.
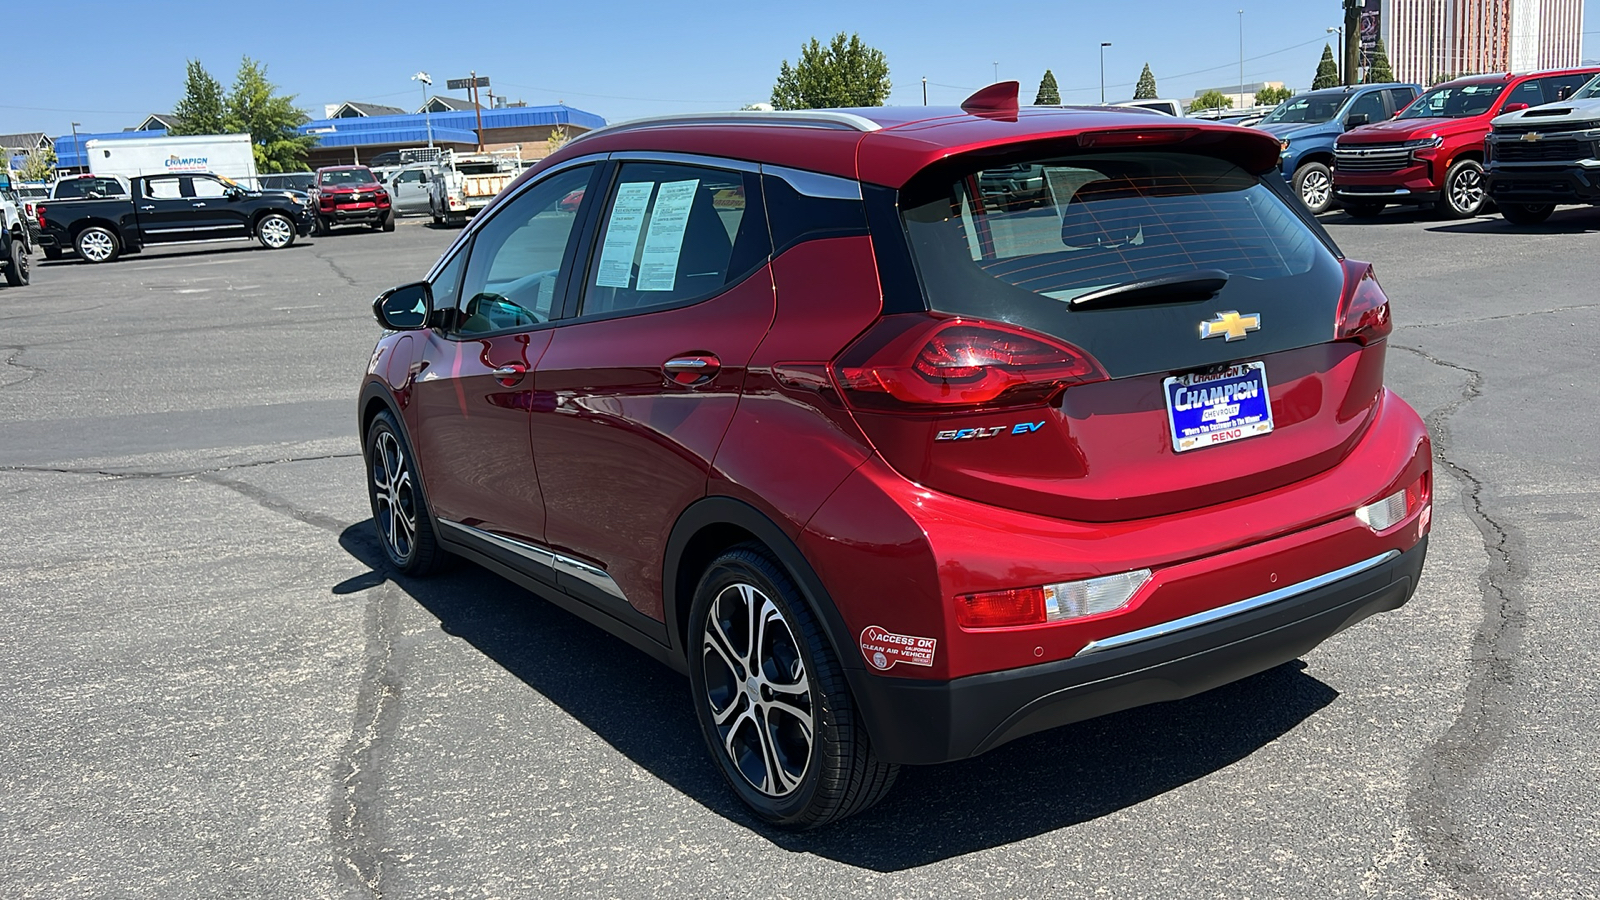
[1018, 242]
[75, 188]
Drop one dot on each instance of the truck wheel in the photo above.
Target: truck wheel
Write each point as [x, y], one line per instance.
[388, 222]
[1526, 213]
[319, 226]
[97, 244]
[438, 220]
[1313, 184]
[275, 231]
[1463, 194]
[17, 273]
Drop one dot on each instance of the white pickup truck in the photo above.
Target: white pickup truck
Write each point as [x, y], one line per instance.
[466, 183]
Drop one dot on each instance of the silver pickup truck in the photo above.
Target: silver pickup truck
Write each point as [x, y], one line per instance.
[1539, 158]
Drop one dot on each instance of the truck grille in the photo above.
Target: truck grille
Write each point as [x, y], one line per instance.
[1558, 150]
[1379, 158]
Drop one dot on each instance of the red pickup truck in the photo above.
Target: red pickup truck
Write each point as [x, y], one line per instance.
[1431, 154]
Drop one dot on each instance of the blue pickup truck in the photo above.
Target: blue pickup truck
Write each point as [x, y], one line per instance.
[1308, 124]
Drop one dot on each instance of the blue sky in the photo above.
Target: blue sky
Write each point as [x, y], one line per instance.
[624, 58]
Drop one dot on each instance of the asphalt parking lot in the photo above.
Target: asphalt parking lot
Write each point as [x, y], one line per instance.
[213, 687]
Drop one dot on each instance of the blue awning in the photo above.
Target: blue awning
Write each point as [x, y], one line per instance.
[72, 155]
[411, 137]
[463, 120]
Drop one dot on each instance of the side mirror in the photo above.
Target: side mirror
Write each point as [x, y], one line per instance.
[405, 308]
[234, 193]
[1356, 120]
[1514, 107]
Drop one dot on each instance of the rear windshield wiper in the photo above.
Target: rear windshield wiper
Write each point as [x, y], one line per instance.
[1200, 284]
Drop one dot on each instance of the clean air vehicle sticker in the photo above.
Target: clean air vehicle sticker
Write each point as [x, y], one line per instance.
[658, 264]
[885, 648]
[622, 234]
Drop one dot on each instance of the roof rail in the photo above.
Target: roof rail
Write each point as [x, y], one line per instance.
[797, 118]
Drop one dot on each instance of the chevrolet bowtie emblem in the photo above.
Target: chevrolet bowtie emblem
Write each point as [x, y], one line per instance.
[1230, 324]
[1533, 136]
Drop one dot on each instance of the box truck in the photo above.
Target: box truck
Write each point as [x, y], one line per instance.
[228, 155]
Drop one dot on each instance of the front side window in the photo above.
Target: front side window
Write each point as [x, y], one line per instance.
[513, 277]
[209, 188]
[1306, 109]
[163, 188]
[1369, 105]
[671, 234]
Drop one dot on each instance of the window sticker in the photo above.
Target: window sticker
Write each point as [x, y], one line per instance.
[658, 264]
[622, 234]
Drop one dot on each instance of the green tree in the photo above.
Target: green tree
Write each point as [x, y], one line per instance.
[39, 165]
[1327, 71]
[203, 109]
[1146, 88]
[1379, 72]
[1272, 96]
[1212, 99]
[844, 73]
[271, 119]
[1049, 94]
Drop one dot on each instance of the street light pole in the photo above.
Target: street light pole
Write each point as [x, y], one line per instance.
[996, 72]
[924, 90]
[1339, 30]
[1103, 46]
[1241, 58]
[77, 152]
[427, 115]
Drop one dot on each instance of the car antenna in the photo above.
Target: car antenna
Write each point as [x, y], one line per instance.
[997, 101]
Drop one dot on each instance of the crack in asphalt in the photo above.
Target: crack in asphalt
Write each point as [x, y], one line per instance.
[336, 270]
[30, 372]
[177, 473]
[1442, 771]
[1516, 315]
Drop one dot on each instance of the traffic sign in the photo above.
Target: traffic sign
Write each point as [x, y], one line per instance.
[461, 84]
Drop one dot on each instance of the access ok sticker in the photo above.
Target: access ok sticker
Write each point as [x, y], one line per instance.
[885, 648]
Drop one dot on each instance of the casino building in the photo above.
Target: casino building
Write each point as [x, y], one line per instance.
[1428, 41]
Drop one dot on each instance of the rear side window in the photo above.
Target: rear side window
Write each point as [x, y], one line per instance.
[78, 188]
[1019, 242]
[673, 234]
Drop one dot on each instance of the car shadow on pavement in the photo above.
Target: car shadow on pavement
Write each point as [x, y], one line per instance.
[1035, 785]
[158, 253]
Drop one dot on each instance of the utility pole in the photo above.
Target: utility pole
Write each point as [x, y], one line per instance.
[1103, 46]
[1241, 59]
[427, 115]
[1339, 30]
[76, 152]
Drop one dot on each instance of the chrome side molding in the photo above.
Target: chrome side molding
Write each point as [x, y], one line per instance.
[1234, 609]
[592, 575]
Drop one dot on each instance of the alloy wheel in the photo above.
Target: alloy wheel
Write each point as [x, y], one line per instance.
[276, 232]
[1466, 191]
[758, 690]
[1316, 189]
[394, 497]
[97, 246]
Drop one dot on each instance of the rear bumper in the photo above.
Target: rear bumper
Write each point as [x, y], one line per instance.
[922, 722]
[1544, 184]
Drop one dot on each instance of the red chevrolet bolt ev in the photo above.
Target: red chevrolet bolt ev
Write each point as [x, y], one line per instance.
[905, 433]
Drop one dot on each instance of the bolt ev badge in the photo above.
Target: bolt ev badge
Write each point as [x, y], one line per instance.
[1230, 324]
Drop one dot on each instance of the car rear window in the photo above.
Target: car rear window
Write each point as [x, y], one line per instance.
[1018, 241]
[77, 188]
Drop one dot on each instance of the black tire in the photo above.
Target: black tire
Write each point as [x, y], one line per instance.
[17, 268]
[388, 222]
[97, 244]
[275, 231]
[740, 675]
[53, 253]
[1463, 196]
[320, 227]
[1363, 210]
[1526, 213]
[399, 506]
[1313, 184]
[438, 220]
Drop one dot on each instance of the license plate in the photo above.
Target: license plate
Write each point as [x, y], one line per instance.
[1213, 408]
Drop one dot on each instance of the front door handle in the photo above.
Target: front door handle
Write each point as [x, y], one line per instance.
[197, 205]
[510, 375]
[146, 208]
[691, 369]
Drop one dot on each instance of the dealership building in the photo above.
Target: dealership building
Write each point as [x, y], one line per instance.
[1432, 40]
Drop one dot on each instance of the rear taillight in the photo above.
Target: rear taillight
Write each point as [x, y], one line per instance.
[1363, 310]
[39, 210]
[909, 363]
[1050, 603]
[1398, 506]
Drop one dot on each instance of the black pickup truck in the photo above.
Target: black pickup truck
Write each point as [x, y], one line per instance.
[168, 209]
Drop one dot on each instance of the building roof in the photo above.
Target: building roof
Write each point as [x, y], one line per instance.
[438, 104]
[352, 132]
[28, 140]
[409, 135]
[158, 122]
[75, 153]
[351, 109]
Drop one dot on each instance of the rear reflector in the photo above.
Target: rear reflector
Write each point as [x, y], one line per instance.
[1050, 603]
[1398, 506]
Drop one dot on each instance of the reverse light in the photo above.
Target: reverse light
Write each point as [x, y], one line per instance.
[930, 363]
[1364, 308]
[1398, 506]
[1050, 603]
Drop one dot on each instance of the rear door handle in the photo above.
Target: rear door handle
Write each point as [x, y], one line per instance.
[691, 369]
